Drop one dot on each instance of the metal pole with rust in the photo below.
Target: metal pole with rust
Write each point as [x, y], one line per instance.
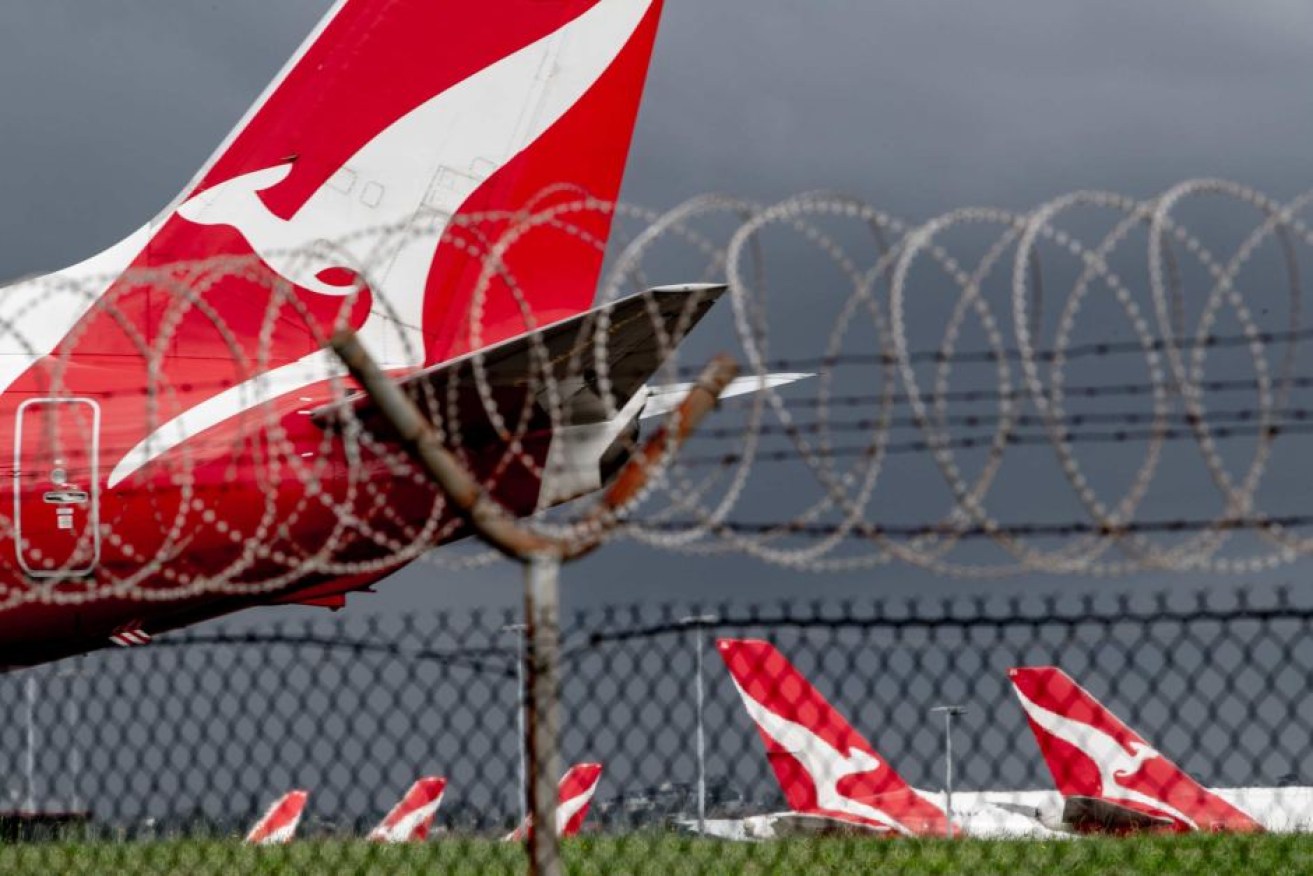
[542, 611]
[541, 555]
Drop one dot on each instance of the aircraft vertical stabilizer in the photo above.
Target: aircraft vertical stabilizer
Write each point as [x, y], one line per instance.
[1113, 780]
[279, 824]
[409, 820]
[574, 796]
[825, 768]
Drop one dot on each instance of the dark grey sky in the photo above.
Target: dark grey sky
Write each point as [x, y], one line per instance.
[110, 108]
[918, 107]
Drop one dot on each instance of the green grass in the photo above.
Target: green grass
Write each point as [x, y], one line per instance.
[667, 854]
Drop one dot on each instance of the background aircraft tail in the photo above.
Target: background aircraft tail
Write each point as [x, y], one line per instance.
[409, 820]
[279, 823]
[1093, 756]
[574, 796]
[439, 122]
[823, 765]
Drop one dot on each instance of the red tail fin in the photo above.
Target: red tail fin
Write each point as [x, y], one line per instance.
[401, 143]
[823, 765]
[412, 115]
[409, 820]
[279, 824]
[573, 797]
[1093, 754]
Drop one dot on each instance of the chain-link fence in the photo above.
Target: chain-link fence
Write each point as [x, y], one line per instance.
[161, 758]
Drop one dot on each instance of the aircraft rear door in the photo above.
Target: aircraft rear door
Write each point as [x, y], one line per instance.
[57, 487]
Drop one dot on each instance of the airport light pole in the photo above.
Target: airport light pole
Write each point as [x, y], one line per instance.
[518, 630]
[949, 712]
[699, 623]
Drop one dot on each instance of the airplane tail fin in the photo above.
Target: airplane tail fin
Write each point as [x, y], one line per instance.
[441, 124]
[437, 175]
[1093, 755]
[823, 765]
[279, 823]
[409, 820]
[573, 797]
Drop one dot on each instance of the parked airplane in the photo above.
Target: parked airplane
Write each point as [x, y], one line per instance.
[410, 820]
[573, 797]
[169, 405]
[279, 824]
[831, 776]
[1110, 779]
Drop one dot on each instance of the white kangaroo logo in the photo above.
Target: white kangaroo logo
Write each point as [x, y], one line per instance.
[826, 765]
[1109, 756]
[405, 185]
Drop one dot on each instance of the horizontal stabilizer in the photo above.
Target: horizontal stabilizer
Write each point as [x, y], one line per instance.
[1095, 815]
[576, 365]
[779, 825]
[662, 400]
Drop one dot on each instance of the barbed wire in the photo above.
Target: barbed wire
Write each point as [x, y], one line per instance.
[877, 531]
[234, 458]
[1216, 419]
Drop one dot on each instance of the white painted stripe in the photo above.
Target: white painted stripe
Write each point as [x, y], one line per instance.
[129, 638]
[315, 368]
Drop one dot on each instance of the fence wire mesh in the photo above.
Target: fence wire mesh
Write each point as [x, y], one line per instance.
[1097, 387]
[1100, 386]
[161, 759]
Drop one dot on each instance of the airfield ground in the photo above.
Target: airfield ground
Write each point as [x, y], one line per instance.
[665, 854]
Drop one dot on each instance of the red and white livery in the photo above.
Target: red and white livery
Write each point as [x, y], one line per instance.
[130, 636]
[573, 797]
[833, 779]
[410, 820]
[825, 768]
[1111, 779]
[279, 824]
[169, 405]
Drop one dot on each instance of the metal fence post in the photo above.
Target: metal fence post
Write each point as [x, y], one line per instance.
[541, 555]
[542, 599]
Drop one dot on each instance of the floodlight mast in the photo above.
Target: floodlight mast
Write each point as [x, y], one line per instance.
[949, 712]
[698, 623]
